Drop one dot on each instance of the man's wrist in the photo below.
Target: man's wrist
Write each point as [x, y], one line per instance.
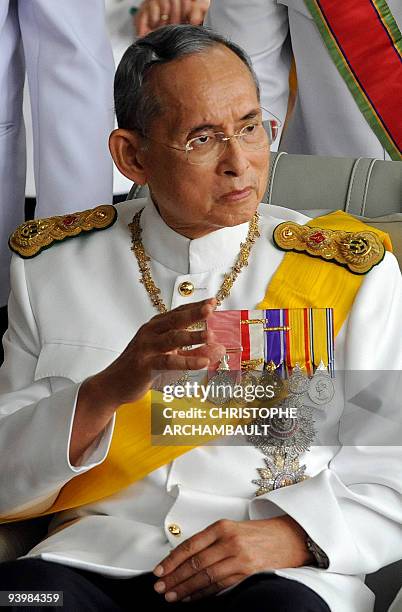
[95, 392]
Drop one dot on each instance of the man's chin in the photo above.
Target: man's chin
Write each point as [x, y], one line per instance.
[236, 214]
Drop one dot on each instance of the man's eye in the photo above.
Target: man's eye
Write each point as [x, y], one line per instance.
[249, 129]
[201, 140]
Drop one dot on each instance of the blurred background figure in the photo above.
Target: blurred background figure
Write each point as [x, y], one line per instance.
[338, 111]
[125, 20]
[66, 53]
[64, 49]
[155, 13]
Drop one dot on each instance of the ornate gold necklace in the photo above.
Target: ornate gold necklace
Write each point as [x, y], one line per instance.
[224, 290]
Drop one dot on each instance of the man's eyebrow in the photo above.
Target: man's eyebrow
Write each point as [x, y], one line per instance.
[211, 126]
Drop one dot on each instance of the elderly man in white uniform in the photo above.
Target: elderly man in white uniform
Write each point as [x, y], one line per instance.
[84, 339]
[326, 119]
[65, 49]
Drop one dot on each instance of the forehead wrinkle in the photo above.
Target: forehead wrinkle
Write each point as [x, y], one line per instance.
[223, 85]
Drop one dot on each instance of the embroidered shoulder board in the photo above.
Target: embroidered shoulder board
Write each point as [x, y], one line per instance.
[32, 237]
[357, 251]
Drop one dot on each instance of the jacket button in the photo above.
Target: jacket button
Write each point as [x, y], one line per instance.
[186, 288]
[174, 529]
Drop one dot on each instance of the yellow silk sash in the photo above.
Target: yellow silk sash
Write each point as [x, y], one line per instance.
[300, 282]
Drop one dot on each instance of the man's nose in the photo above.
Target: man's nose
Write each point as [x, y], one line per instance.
[234, 160]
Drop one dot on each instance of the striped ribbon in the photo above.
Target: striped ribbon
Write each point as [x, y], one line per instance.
[285, 336]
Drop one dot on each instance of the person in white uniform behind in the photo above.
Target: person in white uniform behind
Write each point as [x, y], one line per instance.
[65, 50]
[84, 339]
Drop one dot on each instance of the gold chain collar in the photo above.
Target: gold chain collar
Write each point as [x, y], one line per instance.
[224, 290]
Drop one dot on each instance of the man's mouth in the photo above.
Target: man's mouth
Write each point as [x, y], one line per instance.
[237, 194]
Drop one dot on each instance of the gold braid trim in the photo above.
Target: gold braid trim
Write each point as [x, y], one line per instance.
[357, 251]
[32, 237]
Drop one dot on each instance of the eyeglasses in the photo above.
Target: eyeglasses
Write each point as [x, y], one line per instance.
[210, 146]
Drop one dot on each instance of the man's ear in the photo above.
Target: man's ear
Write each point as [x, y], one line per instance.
[125, 147]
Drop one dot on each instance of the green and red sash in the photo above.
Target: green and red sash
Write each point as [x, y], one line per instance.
[365, 43]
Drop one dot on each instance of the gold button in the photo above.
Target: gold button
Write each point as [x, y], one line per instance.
[174, 529]
[186, 288]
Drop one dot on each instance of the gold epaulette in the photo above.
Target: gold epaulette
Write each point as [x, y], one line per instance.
[32, 237]
[358, 251]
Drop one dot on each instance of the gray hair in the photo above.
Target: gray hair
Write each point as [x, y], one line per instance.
[135, 102]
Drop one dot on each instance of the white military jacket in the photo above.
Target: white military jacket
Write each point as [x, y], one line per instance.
[326, 120]
[74, 308]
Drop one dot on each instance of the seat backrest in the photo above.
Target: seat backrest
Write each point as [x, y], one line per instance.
[366, 187]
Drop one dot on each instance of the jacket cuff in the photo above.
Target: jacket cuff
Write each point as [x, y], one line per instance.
[97, 452]
[304, 502]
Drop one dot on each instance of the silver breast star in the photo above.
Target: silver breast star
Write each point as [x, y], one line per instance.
[280, 472]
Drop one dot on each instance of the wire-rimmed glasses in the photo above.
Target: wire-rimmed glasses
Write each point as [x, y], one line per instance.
[210, 145]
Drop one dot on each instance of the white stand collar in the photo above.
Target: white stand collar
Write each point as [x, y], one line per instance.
[183, 255]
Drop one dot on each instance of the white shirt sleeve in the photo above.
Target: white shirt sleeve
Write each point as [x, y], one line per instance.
[36, 422]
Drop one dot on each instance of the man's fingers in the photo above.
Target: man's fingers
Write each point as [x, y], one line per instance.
[186, 6]
[202, 593]
[171, 361]
[195, 16]
[193, 359]
[213, 577]
[184, 316]
[164, 13]
[177, 338]
[210, 300]
[196, 12]
[142, 23]
[194, 565]
[151, 15]
[164, 6]
[216, 587]
[175, 11]
[154, 12]
[214, 352]
[184, 551]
